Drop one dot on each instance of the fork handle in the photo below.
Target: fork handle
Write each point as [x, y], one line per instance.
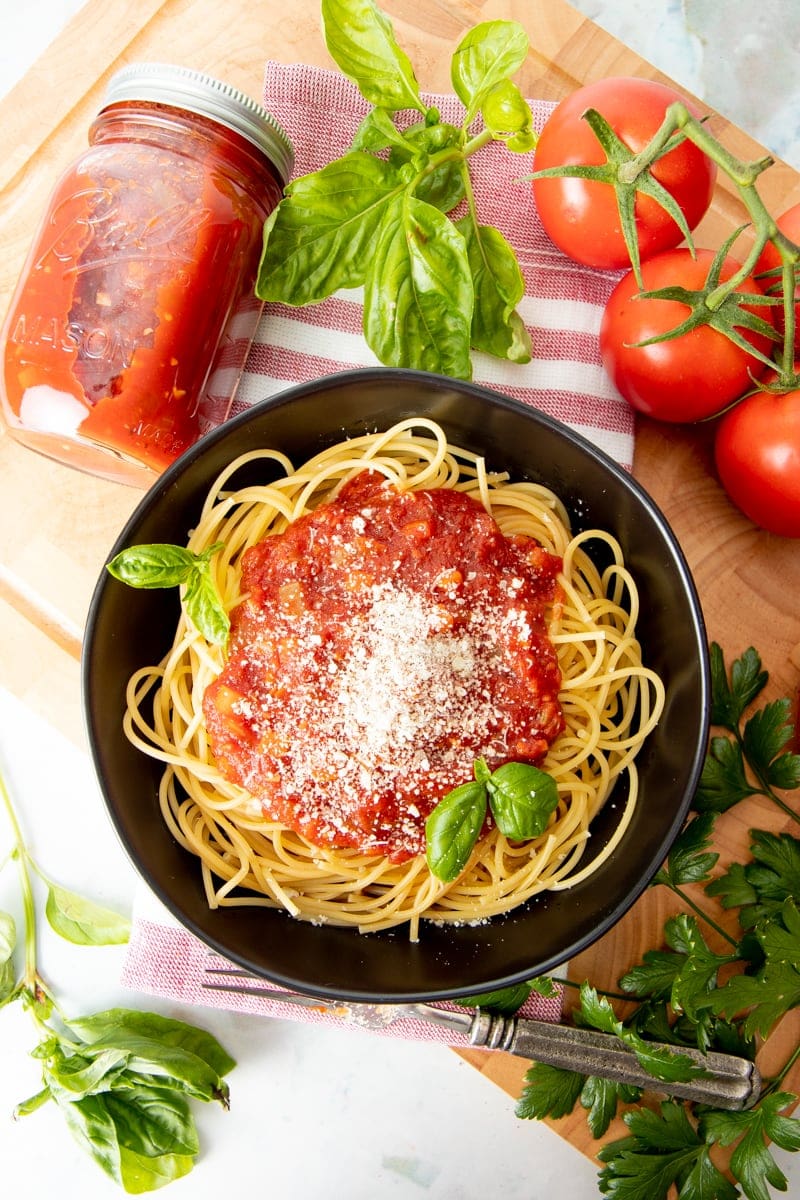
[731, 1082]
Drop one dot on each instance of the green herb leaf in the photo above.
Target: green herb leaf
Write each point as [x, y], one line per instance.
[164, 1031]
[765, 735]
[72, 1076]
[509, 118]
[522, 799]
[723, 780]
[664, 1150]
[418, 294]
[452, 830]
[548, 1092]
[690, 860]
[82, 921]
[361, 40]
[761, 887]
[497, 281]
[774, 989]
[484, 57]
[752, 1162]
[700, 967]
[747, 680]
[321, 236]
[204, 608]
[602, 1097]
[511, 999]
[158, 565]
[436, 152]
[663, 1064]
[8, 941]
[654, 976]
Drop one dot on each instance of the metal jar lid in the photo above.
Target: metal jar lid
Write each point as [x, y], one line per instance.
[181, 87]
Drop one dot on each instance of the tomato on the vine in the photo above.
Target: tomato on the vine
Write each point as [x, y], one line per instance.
[582, 216]
[757, 452]
[689, 377]
[769, 260]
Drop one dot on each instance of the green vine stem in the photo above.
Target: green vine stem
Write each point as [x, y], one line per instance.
[744, 175]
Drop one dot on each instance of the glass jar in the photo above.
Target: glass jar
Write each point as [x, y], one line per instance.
[135, 311]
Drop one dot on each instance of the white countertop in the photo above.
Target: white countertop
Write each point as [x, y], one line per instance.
[317, 1112]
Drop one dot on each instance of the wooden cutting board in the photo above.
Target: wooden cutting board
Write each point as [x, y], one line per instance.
[58, 524]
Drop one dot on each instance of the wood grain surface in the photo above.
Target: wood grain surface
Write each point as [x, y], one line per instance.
[58, 524]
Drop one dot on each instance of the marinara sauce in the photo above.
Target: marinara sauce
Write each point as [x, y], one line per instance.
[134, 314]
[385, 641]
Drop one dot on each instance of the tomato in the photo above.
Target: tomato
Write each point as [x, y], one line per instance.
[688, 377]
[757, 452]
[788, 223]
[580, 215]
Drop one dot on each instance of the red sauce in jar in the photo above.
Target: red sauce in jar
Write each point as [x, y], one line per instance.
[147, 251]
[385, 641]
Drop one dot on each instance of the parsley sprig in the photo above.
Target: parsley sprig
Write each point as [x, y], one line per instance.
[728, 996]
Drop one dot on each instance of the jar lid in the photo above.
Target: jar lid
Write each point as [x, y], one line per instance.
[181, 87]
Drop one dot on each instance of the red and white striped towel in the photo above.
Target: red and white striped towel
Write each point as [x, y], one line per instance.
[562, 307]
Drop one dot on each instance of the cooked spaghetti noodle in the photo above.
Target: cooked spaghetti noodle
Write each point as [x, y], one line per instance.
[610, 701]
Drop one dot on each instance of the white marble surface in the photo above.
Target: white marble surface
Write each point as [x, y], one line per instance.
[320, 1113]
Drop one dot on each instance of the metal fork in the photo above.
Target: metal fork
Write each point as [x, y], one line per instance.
[727, 1081]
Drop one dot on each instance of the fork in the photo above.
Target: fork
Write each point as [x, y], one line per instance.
[726, 1080]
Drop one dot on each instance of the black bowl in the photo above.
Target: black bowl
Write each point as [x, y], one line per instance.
[128, 629]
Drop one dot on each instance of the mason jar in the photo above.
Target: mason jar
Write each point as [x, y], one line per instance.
[132, 319]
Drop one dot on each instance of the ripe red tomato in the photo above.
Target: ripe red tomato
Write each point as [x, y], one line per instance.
[688, 377]
[788, 223]
[580, 215]
[757, 452]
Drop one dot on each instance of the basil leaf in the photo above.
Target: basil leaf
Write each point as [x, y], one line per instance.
[522, 798]
[83, 922]
[153, 1123]
[142, 1174]
[73, 1076]
[418, 295]
[8, 940]
[378, 132]
[204, 608]
[159, 565]
[489, 53]
[102, 1026]
[321, 236]
[361, 40]
[497, 280]
[90, 1124]
[441, 185]
[509, 118]
[452, 830]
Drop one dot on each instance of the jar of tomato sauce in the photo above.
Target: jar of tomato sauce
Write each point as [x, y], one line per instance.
[135, 311]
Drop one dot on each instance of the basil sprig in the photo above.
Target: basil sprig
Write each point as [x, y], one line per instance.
[162, 565]
[377, 217]
[521, 799]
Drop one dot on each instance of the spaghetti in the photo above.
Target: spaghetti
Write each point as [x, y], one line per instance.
[610, 702]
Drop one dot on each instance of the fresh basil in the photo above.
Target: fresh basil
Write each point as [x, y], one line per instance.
[162, 565]
[434, 287]
[361, 41]
[488, 54]
[497, 327]
[82, 921]
[452, 830]
[123, 1080]
[418, 290]
[521, 798]
[8, 940]
[157, 565]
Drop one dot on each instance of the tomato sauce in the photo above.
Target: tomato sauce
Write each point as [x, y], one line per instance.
[147, 251]
[385, 641]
